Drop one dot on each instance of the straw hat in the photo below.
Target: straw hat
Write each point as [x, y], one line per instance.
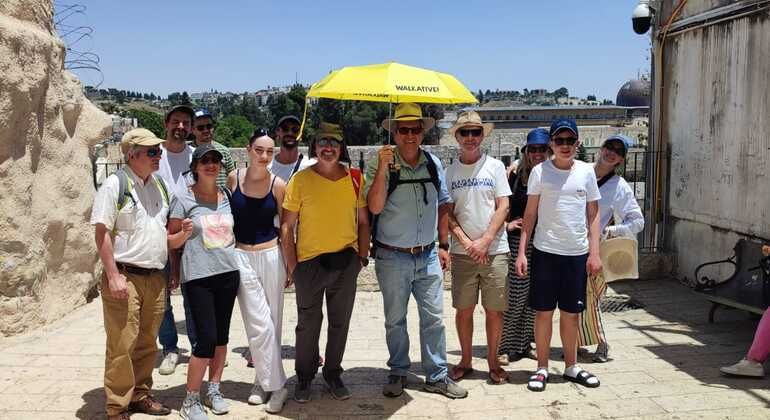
[470, 119]
[409, 112]
[620, 258]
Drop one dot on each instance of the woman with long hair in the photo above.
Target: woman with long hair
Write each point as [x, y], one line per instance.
[257, 196]
[518, 321]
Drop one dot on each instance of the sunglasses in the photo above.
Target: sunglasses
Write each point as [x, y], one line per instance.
[290, 129]
[561, 141]
[324, 142]
[153, 152]
[407, 130]
[468, 132]
[618, 150]
[210, 159]
[202, 127]
[537, 149]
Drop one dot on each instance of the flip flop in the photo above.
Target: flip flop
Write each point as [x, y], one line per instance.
[537, 382]
[456, 373]
[498, 376]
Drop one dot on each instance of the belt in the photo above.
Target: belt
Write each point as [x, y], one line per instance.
[139, 271]
[413, 250]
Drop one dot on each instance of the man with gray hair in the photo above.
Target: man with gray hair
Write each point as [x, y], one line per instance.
[130, 214]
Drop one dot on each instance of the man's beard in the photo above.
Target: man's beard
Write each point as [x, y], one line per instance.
[290, 143]
[180, 134]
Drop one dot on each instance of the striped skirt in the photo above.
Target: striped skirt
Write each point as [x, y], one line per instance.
[519, 319]
[591, 328]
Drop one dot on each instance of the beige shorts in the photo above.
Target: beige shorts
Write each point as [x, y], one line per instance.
[490, 278]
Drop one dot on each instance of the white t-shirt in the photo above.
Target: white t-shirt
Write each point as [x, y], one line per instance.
[172, 165]
[618, 202]
[561, 215]
[284, 170]
[473, 189]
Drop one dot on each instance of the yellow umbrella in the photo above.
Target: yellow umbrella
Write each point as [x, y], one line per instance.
[391, 82]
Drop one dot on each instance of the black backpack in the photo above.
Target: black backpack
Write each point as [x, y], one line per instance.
[394, 180]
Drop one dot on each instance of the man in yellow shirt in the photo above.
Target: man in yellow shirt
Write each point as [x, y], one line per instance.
[331, 247]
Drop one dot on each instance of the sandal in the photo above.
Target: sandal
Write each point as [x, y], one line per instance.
[457, 372]
[583, 377]
[498, 376]
[537, 382]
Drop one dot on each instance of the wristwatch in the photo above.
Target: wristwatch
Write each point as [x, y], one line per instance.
[364, 261]
[444, 246]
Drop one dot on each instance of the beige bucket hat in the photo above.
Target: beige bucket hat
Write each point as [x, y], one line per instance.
[620, 259]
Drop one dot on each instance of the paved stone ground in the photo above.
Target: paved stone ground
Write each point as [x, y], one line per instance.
[666, 359]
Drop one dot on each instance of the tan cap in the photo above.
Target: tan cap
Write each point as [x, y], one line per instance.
[139, 137]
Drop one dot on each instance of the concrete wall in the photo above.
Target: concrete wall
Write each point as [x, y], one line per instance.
[716, 123]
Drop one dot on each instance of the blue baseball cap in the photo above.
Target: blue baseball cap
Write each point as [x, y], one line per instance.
[203, 112]
[564, 124]
[626, 141]
[538, 136]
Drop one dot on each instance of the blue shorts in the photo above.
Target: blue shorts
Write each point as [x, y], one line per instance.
[558, 279]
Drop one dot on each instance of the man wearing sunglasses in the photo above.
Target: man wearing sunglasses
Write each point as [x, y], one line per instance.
[131, 240]
[409, 214]
[203, 130]
[174, 161]
[478, 196]
[564, 200]
[289, 160]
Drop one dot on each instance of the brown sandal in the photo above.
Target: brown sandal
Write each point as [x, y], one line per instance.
[456, 373]
[498, 376]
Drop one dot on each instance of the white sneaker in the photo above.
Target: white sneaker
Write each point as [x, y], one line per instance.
[258, 395]
[745, 367]
[168, 365]
[277, 400]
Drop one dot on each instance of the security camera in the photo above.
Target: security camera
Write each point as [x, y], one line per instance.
[641, 17]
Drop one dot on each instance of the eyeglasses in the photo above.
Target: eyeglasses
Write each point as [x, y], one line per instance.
[202, 127]
[326, 141]
[210, 159]
[407, 130]
[537, 149]
[468, 132]
[294, 129]
[153, 152]
[561, 141]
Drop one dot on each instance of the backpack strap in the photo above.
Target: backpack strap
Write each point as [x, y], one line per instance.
[163, 188]
[432, 170]
[355, 177]
[125, 186]
[296, 165]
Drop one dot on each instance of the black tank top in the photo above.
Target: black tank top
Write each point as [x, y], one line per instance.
[253, 216]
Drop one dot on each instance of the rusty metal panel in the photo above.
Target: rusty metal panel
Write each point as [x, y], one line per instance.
[717, 123]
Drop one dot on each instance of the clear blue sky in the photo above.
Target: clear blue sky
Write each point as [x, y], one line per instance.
[166, 46]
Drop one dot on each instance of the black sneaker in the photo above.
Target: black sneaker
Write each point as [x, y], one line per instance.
[394, 387]
[302, 391]
[338, 390]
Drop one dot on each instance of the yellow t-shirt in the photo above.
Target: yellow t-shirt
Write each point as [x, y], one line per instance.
[327, 212]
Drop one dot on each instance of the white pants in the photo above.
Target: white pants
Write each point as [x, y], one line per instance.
[260, 297]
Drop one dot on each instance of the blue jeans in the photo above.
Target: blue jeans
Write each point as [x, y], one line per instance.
[401, 275]
[167, 335]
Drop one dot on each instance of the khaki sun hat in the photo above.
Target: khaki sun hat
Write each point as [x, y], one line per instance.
[138, 137]
[409, 112]
[620, 258]
[470, 119]
[329, 130]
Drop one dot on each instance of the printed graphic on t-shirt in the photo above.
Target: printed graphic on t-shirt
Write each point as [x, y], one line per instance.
[217, 230]
[472, 183]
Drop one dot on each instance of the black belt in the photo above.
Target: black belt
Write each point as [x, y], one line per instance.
[413, 250]
[139, 271]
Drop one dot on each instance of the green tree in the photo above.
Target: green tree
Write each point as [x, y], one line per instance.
[149, 120]
[234, 131]
[561, 92]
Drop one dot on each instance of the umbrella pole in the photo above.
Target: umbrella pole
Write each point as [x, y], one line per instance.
[304, 116]
[390, 117]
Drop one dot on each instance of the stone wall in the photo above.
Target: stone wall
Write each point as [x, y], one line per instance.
[47, 252]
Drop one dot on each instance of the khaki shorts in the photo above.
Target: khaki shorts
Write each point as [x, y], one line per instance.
[491, 278]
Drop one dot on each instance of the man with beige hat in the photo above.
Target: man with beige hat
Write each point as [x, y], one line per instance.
[406, 191]
[129, 214]
[478, 197]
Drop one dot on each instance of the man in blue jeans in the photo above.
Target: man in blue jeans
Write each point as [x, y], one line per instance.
[406, 189]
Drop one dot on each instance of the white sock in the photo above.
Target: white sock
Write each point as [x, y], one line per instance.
[573, 371]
